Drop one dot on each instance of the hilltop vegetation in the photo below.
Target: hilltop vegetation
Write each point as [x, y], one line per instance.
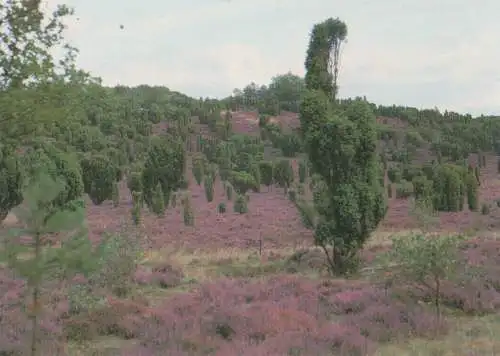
[281, 220]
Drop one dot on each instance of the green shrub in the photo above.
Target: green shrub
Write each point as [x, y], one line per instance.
[198, 168]
[208, 184]
[11, 179]
[221, 208]
[240, 204]
[134, 182]
[422, 188]
[229, 192]
[116, 195]
[427, 262]
[449, 188]
[173, 200]
[242, 182]
[307, 214]
[157, 205]
[472, 192]
[255, 173]
[404, 190]
[99, 174]
[164, 164]
[266, 172]
[136, 207]
[477, 173]
[411, 171]
[302, 171]
[394, 174]
[184, 183]
[283, 173]
[187, 211]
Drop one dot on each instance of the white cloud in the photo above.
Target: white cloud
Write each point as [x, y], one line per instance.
[417, 53]
[483, 98]
[239, 62]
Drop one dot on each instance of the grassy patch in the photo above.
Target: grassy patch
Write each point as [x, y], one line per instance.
[476, 336]
[156, 295]
[250, 268]
[208, 265]
[103, 346]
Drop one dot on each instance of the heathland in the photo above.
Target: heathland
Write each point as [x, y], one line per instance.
[281, 220]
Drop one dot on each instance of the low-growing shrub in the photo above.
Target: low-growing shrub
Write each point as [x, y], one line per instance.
[394, 173]
[284, 314]
[404, 190]
[307, 213]
[164, 276]
[424, 261]
[229, 192]
[184, 183]
[396, 321]
[485, 209]
[221, 208]
[120, 318]
[240, 204]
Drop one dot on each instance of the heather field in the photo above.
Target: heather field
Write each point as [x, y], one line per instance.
[140, 221]
[253, 284]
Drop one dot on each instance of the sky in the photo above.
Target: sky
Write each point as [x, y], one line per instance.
[426, 53]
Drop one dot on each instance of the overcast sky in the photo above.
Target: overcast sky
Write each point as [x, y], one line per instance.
[424, 53]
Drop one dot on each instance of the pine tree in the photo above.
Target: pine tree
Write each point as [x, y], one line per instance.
[42, 215]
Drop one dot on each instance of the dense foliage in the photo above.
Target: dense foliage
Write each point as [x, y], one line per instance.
[341, 146]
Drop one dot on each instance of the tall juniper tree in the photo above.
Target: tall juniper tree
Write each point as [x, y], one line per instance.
[341, 146]
[323, 56]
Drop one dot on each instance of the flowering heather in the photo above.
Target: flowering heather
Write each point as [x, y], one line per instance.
[332, 338]
[245, 123]
[390, 322]
[120, 318]
[270, 216]
[275, 316]
[15, 327]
